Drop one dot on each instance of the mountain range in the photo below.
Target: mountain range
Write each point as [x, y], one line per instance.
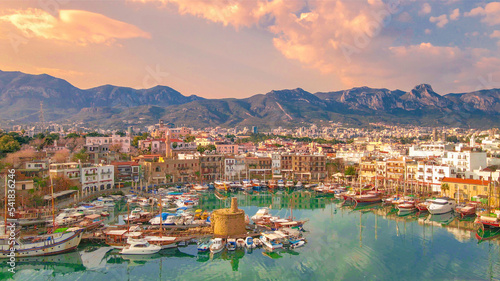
[119, 107]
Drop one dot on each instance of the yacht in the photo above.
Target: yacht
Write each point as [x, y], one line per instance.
[442, 205]
[139, 247]
[271, 241]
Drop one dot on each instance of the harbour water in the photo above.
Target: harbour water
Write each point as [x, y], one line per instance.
[344, 243]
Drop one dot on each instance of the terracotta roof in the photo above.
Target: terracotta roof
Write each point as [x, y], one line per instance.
[465, 181]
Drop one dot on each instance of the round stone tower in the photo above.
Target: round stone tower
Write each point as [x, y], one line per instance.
[229, 222]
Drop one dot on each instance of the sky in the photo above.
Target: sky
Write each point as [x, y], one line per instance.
[239, 48]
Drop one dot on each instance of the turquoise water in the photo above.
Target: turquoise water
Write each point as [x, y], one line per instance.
[369, 243]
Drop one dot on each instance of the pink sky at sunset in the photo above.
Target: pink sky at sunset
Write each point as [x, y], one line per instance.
[238, 48]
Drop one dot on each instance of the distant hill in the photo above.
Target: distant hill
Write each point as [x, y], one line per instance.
[118, 107]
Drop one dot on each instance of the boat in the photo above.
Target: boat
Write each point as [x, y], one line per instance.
[62, 240]
[139, 247]
[240, 243]
[281, 184]
[217, 245]
[441, 205]
[199, 187]
[370, 197]
[231, 244]
[204, 245]
[468, 209]
[272, 184]
[165, 242]
[289, 184]
[407, 207]
[91, 222]
[271, 240]
[423, 206]
[260, 213]
[257, 242]
[297, 244]
[299, 185]
[249, 243]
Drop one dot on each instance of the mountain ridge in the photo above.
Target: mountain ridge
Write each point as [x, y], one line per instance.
[114, 106]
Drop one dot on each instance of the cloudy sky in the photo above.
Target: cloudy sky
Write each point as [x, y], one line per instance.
[237, 48]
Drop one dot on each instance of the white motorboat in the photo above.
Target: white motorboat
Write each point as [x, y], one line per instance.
[298, 244]
[442, 205]
[199, 187]
[249, 242]
[260, 213]
[289, 183]
[217, 245]
[139, 247]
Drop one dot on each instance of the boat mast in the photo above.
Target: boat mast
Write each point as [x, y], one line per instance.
[128, 218]
[53, 211]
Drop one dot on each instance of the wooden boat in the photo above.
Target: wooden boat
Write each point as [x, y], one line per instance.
[272, 184]
[467, 210]
[61, 241]
[423, 206]
[91, 222]
[370, 197]
[408, 206]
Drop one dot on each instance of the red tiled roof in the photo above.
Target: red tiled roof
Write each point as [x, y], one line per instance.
[465, 181]
[132, 163]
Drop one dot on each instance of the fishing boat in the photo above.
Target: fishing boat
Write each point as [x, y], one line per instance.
[289, 184]
[231, 244]
[139, 247]
[203, 245]
[240, 243]
[217, 245]
[468, 209]
[441, 205]
[281, 184]
[249, 243]
[297, 244]
[272, 184]
[257, 242]
[271, 241]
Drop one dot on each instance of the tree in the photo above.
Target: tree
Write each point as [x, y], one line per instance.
[445, 187]
[72, 135]
[8, 144]
[189, 138]
[82, 155]
[174, 145]
[60, 156]
[120, 133]
[350, 171]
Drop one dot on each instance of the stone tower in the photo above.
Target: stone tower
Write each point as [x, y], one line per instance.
[229, 222]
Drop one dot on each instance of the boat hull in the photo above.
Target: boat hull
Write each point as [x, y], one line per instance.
[65, 242]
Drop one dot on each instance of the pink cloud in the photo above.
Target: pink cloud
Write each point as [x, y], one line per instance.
[75, 26]
[490, 13]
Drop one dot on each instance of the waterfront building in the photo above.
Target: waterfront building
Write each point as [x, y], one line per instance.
[117, 140]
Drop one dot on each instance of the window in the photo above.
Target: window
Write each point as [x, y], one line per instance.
[23, 187]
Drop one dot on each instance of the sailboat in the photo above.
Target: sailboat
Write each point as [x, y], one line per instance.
[61, 240]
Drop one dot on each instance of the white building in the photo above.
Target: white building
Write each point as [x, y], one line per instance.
[351, 157]
[91, 177]
[234, 167]
[276, 164]
[436, 149]
[96, 178]
[433, 173]
[465, 160]
[124, 142]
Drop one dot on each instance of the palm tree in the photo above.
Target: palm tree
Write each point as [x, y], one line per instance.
[445, 187]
